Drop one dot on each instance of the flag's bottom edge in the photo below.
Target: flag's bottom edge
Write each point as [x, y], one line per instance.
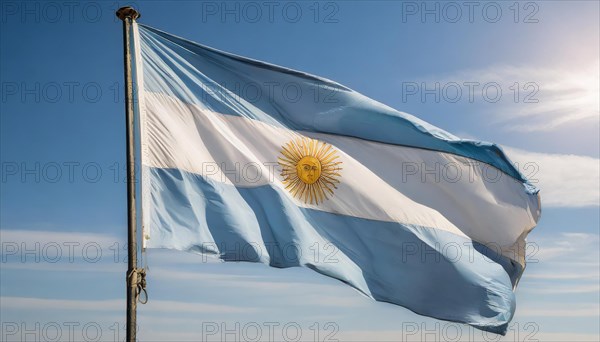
[428, 271]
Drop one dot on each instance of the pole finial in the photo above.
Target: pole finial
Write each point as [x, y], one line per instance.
[127, 12]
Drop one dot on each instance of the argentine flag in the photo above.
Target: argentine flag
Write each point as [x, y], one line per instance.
[249, 161]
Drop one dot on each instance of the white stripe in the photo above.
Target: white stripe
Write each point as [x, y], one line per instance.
[141, 108]
[375, 182]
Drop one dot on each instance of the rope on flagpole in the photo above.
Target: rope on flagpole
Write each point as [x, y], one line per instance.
[137, 277]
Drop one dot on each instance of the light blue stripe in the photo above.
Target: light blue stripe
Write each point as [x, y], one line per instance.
[229, 84]
[416, 267]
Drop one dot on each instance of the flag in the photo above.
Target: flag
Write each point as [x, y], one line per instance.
[249, 161]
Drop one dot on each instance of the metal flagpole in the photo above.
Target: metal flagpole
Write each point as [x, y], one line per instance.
[128, 15]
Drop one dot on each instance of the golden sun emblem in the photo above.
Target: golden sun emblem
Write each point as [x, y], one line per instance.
[310, 169]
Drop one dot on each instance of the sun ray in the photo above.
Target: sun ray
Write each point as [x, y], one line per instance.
[293, 155]
[323, 151]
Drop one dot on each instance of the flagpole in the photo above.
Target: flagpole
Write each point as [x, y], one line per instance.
[128, 15]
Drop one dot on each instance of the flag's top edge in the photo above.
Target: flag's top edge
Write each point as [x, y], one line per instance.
[485, 152]
[255, 62]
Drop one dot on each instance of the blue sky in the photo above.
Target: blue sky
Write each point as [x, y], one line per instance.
[62, 153]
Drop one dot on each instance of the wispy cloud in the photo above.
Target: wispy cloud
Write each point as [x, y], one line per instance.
[570, 247]
[28, 303]
[33, 237]
[564, 276]
[179, 307]
[560, 337]
[565, 180]
[566, 289]
[546, 99]
[566, 273]
[80, 267]
[558, 310]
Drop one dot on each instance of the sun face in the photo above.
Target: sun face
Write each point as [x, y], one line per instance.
[310, 169]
